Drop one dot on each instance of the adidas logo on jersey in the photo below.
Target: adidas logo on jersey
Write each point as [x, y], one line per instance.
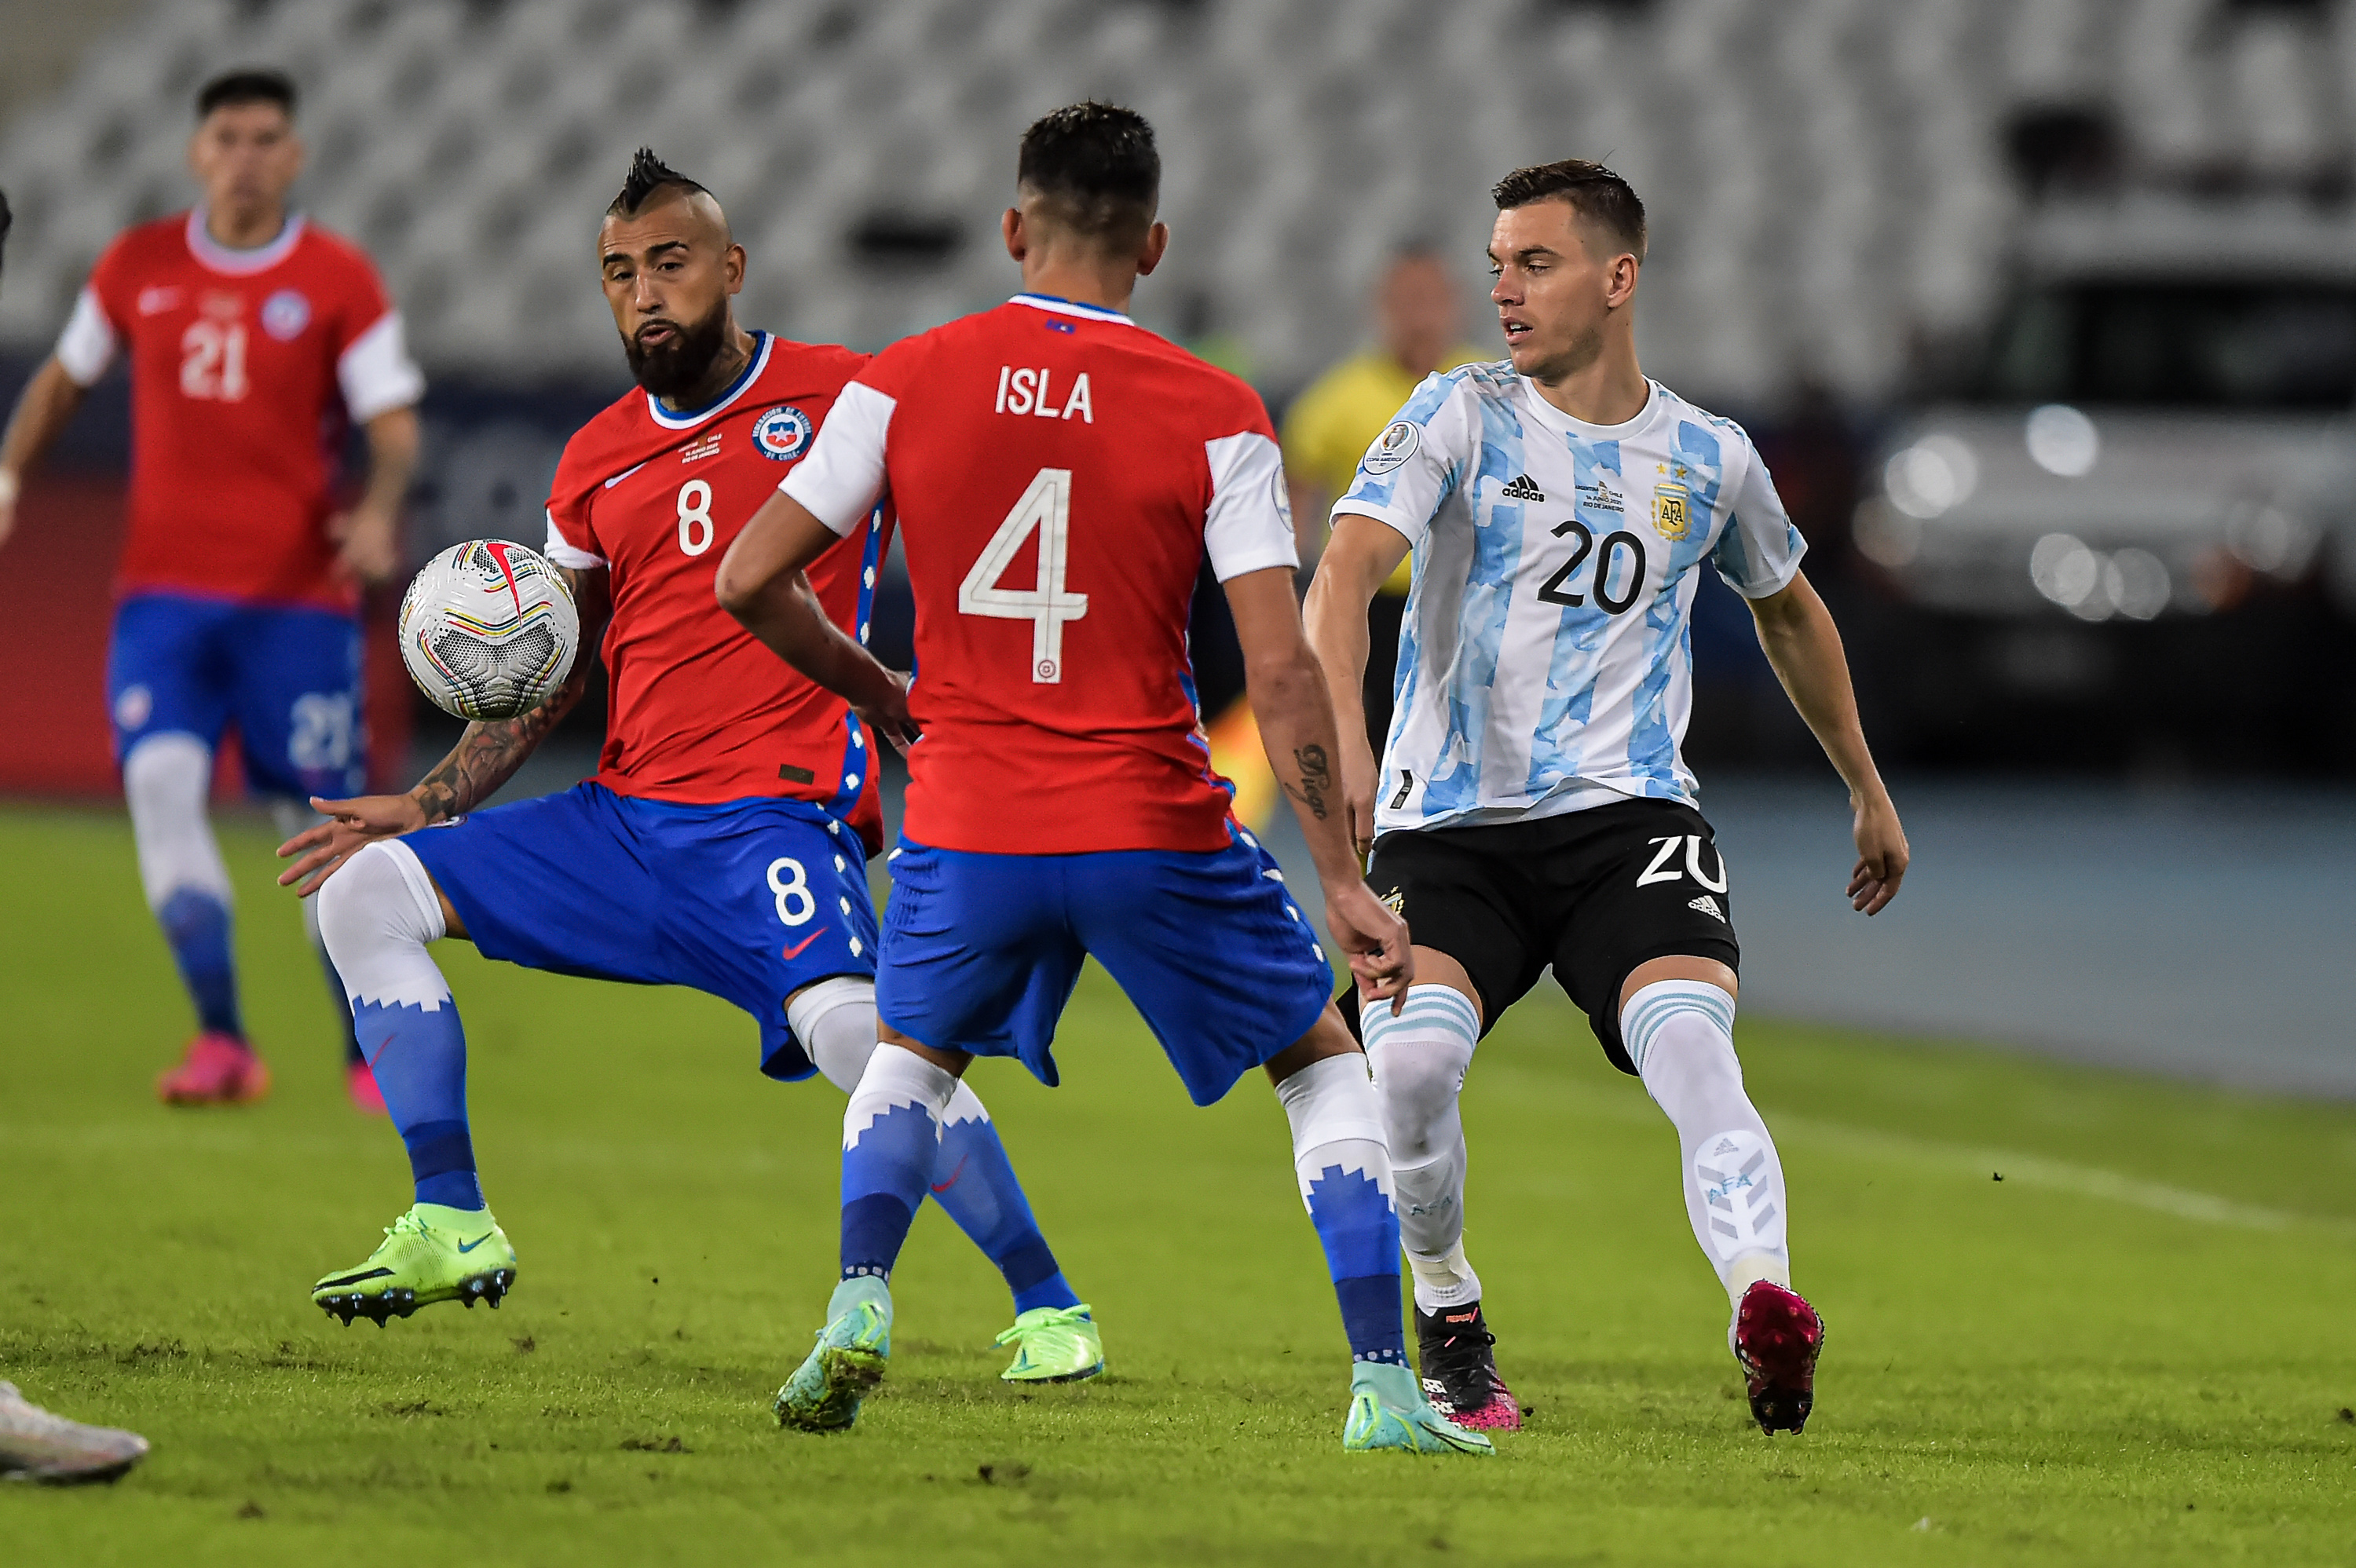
[1520, 488]
[1707, 905]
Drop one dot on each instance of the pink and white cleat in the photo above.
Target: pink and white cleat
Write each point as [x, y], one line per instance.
[1459, 1370]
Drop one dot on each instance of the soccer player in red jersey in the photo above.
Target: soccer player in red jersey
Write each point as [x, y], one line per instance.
[722, 843]
[254, 338]
[1060, 475]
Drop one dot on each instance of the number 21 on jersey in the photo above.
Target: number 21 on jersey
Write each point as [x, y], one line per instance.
[1045, 509]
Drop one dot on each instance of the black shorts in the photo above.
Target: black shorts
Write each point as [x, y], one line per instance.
[1595, 894]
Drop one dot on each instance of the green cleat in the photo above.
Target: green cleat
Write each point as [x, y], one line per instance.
[824, 1393]
[1388, 1410]
[1053, 1345]
[431, 1253]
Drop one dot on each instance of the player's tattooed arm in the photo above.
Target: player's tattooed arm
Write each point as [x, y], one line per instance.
[1313, 780]
[489, 754]
[486, 757]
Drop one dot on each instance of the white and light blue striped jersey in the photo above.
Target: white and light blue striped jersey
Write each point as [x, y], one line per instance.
[1546, 663]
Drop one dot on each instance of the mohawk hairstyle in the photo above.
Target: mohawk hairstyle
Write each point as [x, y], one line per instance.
[1096, 163]
[648, 174]
[1597, 195]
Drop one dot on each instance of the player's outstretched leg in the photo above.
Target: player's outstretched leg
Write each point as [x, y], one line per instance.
[36, 1444]
[891, 1139]
[1680, 1034]
[165, 778]
[376, 914]
[360, 1082]
[1346, 1183]
[1055, 1335]
[1419, 1058]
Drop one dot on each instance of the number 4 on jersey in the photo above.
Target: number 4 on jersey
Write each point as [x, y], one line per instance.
[1044, 509]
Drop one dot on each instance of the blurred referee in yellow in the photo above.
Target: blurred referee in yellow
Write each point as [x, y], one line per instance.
[1418, 326]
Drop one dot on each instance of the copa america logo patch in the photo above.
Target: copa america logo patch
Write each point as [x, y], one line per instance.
[285, 315]
[783, 433]
[1394, 446]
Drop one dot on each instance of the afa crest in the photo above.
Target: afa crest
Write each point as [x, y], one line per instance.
[1672, 512]
[782, 433]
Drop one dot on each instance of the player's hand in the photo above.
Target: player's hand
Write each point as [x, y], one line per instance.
[1358, 785]
[367, 548]
[1881, 855]
[351, 825]
[1376, 939]
[888, 715]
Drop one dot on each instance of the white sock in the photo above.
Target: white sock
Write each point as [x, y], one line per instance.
[376, 915]
[835, 1020]
[896, 1076]
[1680, 1034]
[1336, 1120]
[165, 780]
[1420, 1060]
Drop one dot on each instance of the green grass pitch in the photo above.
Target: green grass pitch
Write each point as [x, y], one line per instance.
[2135, 1348]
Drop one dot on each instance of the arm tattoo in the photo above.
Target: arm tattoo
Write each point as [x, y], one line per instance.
[487, 754]
[1316, 779]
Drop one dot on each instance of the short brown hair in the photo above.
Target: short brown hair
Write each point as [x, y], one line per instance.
[1594, 192]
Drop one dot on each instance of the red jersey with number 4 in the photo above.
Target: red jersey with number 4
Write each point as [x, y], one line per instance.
[1059, 475]
[247, 368]
[699, 711]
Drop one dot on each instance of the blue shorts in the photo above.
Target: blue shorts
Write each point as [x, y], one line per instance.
[749, 901]
[288, 676]
[980, 953]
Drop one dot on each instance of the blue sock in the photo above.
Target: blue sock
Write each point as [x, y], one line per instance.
[196, 924]
[891, 1139]
[419, 1057]
[975, 1184]
[1358, 1228]
[1344, 1172]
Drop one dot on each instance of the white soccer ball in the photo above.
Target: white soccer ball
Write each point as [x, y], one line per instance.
[488, 629]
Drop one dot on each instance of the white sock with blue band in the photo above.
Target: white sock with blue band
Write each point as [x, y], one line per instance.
[1680, 1035]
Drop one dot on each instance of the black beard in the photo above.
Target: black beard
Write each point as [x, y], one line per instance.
[673, 370]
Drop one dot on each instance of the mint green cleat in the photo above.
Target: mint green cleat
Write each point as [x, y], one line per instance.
[1388, 1410]
[1053, 1345]
[824, 1393]
[431, 1253]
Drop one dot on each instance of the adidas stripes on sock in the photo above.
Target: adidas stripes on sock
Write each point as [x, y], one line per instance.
[1420, 1059]
[376, 915]
[1680, 1035]
[1343, 1169]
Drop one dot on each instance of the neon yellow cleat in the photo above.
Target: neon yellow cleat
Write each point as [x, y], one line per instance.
[431, 1253]
[1053, 1345]
[1388, 1410]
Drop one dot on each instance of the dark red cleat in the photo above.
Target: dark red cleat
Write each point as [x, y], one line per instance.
[1777, 1336]
[1459, 1370]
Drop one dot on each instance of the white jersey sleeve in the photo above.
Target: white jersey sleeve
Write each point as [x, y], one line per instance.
[842, 479]
[565, 553]
[1418, 460]
[87, 345]
[1759, 552]
[1249, 527]
[376, 374]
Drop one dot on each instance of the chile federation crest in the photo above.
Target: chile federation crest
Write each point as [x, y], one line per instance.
[783, 433]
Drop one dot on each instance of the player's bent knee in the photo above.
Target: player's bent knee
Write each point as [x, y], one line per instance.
[381, 897]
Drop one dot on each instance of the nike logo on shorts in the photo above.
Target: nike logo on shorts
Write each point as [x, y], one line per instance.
[799, 949]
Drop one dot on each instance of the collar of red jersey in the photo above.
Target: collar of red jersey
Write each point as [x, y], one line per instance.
[746, 378]
[236, 263]
[1071, 307]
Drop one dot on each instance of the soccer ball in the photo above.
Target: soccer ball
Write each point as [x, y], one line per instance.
[488, 629]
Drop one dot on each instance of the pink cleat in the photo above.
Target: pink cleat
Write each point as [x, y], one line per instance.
[367, 1098]
[1777, 1336]
[1459, 1370]
[215, 1070]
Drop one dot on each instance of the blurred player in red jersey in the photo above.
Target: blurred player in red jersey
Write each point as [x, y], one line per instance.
[254, 337]
[723, 842]
[1060, 475]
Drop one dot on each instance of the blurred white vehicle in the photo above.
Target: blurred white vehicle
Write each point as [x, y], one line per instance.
[2166, 416]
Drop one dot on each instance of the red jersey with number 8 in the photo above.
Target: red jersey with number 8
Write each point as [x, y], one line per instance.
[1059, 475]
[699, 711]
